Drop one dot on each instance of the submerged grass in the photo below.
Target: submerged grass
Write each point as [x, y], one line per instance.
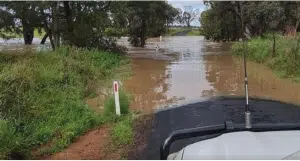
[284, 63]
[42, 98]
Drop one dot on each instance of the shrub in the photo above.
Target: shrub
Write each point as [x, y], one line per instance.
[10, 141]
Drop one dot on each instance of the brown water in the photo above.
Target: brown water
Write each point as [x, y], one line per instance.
[188, 69]
[198, 70]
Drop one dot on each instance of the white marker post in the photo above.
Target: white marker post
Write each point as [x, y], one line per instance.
[117, 101]
[160, 39]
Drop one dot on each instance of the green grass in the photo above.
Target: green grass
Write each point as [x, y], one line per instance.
[122, 132]
[38, 34]
[285, 63]
[42, 97]
[109, 105]
[194, 32]
[122, 126]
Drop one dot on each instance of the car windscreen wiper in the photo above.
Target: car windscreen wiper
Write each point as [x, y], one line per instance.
[217, 130]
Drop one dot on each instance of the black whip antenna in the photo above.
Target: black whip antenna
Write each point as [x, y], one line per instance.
[247, 111]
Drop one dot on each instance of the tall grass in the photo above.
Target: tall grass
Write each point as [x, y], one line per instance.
[122, 133]
[109, 105]
[286, 60]
[42, 97]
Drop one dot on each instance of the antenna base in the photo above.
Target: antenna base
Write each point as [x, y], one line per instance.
[248, 119]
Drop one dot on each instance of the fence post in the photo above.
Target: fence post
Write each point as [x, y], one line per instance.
[117, 100]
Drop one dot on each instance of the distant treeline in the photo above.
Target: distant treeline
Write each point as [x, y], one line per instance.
[90, 24]
[222, 20]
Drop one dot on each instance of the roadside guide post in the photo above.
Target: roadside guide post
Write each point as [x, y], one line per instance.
[117, 100]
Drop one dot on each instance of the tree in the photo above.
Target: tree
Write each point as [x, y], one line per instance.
[8, 28]
[119, 12]
[189, 15]
[222, 20]
[80, 24]
[178, 18]
[172, 16]
[148, 18]
[44, 10]
[22, 18]
[90, 24]
[292, 17]
[274, 16]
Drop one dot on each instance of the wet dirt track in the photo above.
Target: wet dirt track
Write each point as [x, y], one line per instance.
[200, 71]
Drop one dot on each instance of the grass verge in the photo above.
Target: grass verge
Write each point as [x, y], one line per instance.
[42, 98]
[284, 62]
[122, 133]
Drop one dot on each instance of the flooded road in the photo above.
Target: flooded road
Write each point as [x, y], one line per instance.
[189, 69]
[198, 71]
[17, 45]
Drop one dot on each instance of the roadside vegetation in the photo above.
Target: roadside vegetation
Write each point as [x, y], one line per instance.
[122, 132]
[42, 94]
[42, 97]
[270, 27]
[285, 59]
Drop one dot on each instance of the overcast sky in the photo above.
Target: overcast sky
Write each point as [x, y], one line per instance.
[195, 4]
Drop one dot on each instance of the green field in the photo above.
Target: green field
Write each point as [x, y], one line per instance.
[193, 32]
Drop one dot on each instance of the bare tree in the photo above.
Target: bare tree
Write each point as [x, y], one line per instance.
[189, 15]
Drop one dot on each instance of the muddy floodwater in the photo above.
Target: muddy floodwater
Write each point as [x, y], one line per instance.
[188, 69]
[184, 69]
